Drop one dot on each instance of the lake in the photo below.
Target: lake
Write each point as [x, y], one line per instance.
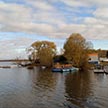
[37, 88]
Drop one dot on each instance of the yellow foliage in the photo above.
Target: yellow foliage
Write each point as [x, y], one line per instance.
[76, 50]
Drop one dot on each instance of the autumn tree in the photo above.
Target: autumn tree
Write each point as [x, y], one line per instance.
[44, 51]
[76, 50]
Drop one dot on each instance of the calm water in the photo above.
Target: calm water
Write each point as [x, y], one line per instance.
[23, 88]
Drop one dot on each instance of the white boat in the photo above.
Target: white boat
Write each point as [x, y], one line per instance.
[66, 70]
[99, 69]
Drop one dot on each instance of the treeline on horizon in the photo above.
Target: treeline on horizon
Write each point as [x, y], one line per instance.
[75, 50]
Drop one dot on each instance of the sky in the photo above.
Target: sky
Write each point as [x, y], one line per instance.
[23, 22]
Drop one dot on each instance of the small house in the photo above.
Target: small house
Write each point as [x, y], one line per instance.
[93, 58]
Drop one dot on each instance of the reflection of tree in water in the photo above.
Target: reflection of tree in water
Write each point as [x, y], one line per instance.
[44, 80]
[78, 88]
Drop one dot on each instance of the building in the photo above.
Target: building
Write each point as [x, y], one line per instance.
[93, 58]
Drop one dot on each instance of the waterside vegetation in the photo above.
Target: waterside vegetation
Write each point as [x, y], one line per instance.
[75, 52]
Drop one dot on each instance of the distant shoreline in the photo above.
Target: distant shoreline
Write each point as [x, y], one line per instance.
[13, 60]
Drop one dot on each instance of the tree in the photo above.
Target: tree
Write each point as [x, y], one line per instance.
[44, 51]
[76, 50]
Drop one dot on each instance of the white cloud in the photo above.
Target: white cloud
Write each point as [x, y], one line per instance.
[14, 48]
[74, 3]
[101, 13]
[95, 21]
[13, 14]
[95, 31]
[99, 3]
[20, 18]
[90, 20]
[41, 5]
[72, 28]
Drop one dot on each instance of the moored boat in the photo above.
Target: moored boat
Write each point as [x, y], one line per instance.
[74, 69]
[66, 69]
[99, 69]
[57, 67]
[70, 69]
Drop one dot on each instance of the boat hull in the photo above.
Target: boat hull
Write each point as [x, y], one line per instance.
[98, 71]
[73, 69]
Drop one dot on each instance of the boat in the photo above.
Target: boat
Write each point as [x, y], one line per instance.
[74, 69]
[66, 69]
[57, 67]
[99, 69]
[70, 69]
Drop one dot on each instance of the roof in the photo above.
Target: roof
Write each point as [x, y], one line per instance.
[93, 54]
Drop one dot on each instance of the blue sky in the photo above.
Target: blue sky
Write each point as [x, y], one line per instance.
[23, 22]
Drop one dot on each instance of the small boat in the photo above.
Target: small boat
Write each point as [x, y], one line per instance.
[70, 69]
[99, 69]
[74, 69]
[66, 69]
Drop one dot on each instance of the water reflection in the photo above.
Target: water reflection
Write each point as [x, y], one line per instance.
[86, 89]
[45, 79]
[79, 89]
[43, 83]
